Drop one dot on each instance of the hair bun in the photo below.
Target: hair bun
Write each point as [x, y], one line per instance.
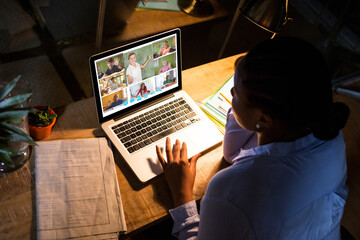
[331, 122]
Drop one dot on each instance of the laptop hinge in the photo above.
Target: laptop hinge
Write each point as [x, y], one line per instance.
[144, 107]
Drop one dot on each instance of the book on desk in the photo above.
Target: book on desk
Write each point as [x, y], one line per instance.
[77, 193]
[218, 104]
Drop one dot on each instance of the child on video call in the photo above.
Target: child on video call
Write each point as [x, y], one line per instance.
[116, 101]
[166, 67]
[143, 89]
[168, 80]
[164, 49]
[113, 66]
[114, 84]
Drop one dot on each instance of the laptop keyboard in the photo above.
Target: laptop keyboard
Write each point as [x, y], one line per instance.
[155, 124]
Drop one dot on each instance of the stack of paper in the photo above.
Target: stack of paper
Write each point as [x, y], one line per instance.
[217, 105]
[77, 194]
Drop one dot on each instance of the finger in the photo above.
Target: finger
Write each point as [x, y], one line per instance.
[176, 150]
[183, 152]
[160, 156]
[193, 161]
[168, 150]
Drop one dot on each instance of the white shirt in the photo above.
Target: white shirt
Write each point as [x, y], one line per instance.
[135, 72]
[284, 190]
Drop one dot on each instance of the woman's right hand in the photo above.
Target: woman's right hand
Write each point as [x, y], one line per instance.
[179, 171]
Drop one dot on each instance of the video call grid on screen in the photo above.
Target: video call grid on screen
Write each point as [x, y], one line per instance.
[132, 76]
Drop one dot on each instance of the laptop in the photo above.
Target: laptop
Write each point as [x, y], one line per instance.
[139, 101]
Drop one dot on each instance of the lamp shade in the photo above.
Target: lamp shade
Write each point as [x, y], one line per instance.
[268, 14]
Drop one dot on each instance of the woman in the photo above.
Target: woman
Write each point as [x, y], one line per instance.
[292, 185]
[133, 73]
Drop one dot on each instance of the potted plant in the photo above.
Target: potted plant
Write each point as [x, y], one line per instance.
[41, 122]
[13, 140]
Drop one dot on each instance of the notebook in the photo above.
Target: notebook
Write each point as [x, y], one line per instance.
[139, 101]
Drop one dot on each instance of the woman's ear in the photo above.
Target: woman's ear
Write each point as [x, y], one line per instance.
[265, 121]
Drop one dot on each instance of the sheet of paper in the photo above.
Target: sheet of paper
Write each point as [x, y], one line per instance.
[77, 194]
[218, 104]
[221, 100]
[225, 90]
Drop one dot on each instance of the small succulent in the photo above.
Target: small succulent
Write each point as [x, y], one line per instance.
[41, 118]
[11, 113]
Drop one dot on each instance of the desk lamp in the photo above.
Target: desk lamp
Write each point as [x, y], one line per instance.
[196, 8]
[270, 15]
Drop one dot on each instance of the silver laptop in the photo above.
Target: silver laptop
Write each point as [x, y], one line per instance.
[140, 101]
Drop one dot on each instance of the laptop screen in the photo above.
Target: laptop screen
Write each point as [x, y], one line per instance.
[135, 74]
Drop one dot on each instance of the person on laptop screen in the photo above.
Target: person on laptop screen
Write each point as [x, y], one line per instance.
[117, 101]
[113, 66]
[166, 67]
[133, 73]
[164, 49]
[290, 186]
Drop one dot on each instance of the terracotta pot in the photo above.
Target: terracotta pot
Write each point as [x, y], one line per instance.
[38, 133]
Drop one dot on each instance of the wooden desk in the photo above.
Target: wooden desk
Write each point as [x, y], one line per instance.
[143, 204]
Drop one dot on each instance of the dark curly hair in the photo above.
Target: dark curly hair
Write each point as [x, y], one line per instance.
[289, 79]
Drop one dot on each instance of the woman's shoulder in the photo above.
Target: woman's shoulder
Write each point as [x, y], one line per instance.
[236, 175]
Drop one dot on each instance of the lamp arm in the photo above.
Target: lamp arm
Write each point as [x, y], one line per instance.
[347, 92]
[235, 18]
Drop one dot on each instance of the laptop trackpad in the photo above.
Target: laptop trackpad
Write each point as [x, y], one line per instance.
[191, 148]
[197, 139]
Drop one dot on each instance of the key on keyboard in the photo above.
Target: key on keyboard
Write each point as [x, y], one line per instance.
[155, 124]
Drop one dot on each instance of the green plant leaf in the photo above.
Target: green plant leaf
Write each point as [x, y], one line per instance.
[4, 135]
[5, 158]
[12, 137]
[29, 109]
[41, 117]
[13, 116]
[6, 150]
[14, 101]
[7, 89]
[16, 130]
